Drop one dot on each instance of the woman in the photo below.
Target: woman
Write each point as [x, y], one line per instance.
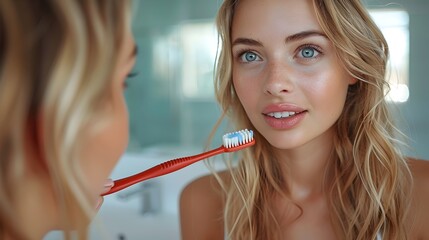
[63, 118]
[309, 77]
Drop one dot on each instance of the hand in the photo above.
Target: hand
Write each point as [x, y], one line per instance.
[107, 186]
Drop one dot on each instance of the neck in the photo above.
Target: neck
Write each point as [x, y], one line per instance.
[35, 202]
[305, 167]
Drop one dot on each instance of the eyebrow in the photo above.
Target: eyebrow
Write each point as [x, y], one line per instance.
[246, 41]
[291, 38]
[304, 34]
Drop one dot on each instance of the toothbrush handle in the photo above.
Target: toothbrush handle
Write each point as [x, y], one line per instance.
[162, 169]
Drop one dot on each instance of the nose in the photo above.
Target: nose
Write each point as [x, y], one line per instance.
[278, 79]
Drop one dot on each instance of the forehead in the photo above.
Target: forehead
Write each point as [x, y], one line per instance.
[266, 17]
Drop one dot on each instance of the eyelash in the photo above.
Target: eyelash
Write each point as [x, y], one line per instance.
[130, 75]
[315, 47]
[300, 48]
[243, 51]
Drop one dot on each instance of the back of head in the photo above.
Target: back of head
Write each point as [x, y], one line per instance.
[56, 63]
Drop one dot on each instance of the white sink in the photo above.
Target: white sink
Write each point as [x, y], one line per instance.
[128, 224]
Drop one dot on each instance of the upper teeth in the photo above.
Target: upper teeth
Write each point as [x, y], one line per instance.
[281, 114]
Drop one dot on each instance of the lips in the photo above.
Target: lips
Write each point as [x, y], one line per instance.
[283, 116]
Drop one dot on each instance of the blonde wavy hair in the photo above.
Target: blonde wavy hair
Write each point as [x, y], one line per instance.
[56, 60]
[369, 190]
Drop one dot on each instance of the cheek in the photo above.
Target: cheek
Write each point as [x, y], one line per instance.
[245, 86]
[244, 93]
[327, 90]
[105, 147]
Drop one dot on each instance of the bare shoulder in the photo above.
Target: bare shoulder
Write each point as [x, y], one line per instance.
[419, 210]
[420, 168]
[201, 209]
[420, 171]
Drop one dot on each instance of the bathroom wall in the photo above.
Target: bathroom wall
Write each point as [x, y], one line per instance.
[160, 114]
[416, 110]
[414, 114]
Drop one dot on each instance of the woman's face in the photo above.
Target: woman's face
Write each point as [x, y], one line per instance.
[286, 72]
[107, 144]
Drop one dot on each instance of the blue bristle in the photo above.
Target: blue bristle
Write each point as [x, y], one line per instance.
[237, 138]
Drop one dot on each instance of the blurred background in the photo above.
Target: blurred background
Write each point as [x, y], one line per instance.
[172, 106]
[171, 100]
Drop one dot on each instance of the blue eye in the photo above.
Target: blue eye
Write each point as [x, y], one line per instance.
[249, 57]
[308, 52]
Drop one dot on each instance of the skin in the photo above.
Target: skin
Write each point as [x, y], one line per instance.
[282, 77]
[101, 154]
[288, 65]
[107, 145]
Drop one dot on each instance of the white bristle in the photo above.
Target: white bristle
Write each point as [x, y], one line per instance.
[238, 138]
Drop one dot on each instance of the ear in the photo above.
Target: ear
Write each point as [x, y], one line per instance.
[352, 81]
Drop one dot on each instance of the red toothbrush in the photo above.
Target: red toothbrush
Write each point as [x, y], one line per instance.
[231, 142]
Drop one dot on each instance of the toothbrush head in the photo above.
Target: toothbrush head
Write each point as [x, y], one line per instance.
[238, 140]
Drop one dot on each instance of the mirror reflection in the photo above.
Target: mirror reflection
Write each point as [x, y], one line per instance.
[173, 109]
